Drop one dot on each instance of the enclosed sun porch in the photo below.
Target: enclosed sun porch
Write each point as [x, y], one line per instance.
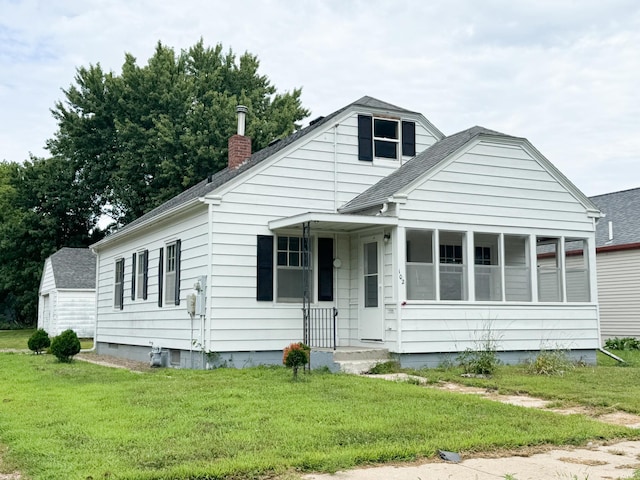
[426, 293]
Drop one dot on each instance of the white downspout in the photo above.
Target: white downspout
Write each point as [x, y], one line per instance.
[95, 317]
[335, 167]
[209, 288]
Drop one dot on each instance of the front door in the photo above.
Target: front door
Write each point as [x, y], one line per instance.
[370, 318]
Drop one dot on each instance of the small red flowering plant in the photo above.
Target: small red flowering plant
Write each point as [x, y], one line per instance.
[294, 356]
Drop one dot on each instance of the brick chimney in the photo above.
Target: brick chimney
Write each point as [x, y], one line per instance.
[239, 145]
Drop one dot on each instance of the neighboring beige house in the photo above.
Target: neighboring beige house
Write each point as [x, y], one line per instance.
[618, 263]
[68, 292]
[416, 243]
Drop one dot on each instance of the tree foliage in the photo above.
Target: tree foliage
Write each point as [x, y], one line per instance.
[143, 136]
[42, 209]
[125, 143]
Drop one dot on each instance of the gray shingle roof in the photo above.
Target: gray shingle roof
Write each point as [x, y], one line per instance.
[414, 168]
[223, 176]
[74, 268]
[622, 209]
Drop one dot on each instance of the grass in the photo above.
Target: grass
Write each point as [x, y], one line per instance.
[79, 420]
[609, 386]
[17, 339]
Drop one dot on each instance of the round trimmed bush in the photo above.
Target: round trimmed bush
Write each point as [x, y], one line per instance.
[65, 345]
[39, 341]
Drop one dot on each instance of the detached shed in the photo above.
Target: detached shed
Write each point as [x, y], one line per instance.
[68, 292]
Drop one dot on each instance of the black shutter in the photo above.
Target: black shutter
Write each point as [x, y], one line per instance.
[264, 274]
[365, 138]
[133, 276]
[177, 291]
[325, 269]
[409, 139]
[145, 273]
[160, 267]
[121, 283]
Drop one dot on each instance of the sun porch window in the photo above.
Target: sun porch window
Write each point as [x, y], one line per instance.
[420, 267]
[487, 269]
[453, 283]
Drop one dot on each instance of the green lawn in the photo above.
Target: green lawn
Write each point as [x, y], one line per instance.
[17, 339]
[79, 421]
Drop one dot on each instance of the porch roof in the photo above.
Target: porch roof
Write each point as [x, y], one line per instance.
[332, 222]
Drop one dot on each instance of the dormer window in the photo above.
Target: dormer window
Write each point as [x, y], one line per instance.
[380, 138]
[385, 138]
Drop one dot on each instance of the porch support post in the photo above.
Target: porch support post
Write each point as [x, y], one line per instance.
[470, 274]
[560, 249]
[400, 249]
[533, 262]
[306, 281]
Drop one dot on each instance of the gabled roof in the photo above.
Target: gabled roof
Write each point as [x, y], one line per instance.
[74, 268]
[379, 193]
[620, 208]
[210, 184]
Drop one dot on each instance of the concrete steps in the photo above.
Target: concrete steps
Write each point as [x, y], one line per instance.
[353, 360]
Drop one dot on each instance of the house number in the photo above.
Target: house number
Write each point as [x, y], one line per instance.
[400, 277]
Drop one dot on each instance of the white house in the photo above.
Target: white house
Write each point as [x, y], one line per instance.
[67, 292]
[618, 261]
[413, 242]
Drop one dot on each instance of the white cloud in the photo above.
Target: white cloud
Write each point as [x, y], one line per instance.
[562, 73]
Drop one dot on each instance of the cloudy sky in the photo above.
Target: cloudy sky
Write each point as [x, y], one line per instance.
[564, 74]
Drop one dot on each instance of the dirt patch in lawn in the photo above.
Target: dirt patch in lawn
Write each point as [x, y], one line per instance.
[114, 362]
[615, 418]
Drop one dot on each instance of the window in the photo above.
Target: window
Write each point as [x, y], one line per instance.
[381, 137]
[172, 274]
[385, 138]
[142, 274]
[284, 273]
[420, 268]
[487, 269]
[577, 270]
[452, 267]
[118, 291]
[549, 272]
[291, 260]
[517, 270]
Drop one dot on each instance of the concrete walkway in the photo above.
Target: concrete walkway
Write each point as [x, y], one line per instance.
[593, 462]
[616, 461]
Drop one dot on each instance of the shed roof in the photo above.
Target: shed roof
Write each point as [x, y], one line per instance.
[620, 208]
[74, 268]
[379, 193]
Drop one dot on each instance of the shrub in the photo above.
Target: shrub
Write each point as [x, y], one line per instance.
[479, 362]
[625, 343]
[295, 356]
[550, 362]
[39, 341]
[65, 345]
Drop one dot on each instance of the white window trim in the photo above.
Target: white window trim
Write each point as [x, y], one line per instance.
[396, 140]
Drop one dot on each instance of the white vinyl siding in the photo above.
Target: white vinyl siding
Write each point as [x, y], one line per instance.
[619, 293]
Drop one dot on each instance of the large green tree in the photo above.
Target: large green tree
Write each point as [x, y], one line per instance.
[43, 207]
[140, 137]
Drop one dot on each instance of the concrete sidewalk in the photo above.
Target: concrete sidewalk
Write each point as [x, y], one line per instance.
[604, 462]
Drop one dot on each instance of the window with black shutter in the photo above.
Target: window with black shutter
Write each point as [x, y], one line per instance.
[385, 138]
[142, 274]
[118, 290]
